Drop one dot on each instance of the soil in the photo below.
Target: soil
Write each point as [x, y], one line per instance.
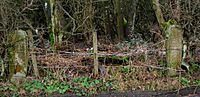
[193, 91]
[150, 94]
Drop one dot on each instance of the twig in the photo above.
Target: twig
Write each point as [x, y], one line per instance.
[73, 20]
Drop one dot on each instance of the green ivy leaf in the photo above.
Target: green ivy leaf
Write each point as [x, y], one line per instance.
[3, 88]
[13, 88]
[197, 82]
[63, 89]
[125, 21]
[97, 81]
[184, 81]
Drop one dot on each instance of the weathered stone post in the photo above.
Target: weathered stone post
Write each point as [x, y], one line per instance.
[18, 55]
[174, 48]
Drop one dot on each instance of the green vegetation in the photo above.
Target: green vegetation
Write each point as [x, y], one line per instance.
[186, 82]
[194, 68]
[82, 86]
[197, 82]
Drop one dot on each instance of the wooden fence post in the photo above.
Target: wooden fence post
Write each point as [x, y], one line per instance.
[96, 64]
[33, 56]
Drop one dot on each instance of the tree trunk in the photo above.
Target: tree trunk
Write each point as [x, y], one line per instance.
[54, 27]
[132, 17]
[117, 6]
[158, 12]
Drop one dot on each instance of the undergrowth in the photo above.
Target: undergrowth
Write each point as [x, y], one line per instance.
[82, 86]
[119, 78]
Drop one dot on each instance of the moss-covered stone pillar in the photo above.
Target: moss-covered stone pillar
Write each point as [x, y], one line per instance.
[174, 48]
[18, 55]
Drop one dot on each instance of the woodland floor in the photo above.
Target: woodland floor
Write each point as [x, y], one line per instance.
[140, 75]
